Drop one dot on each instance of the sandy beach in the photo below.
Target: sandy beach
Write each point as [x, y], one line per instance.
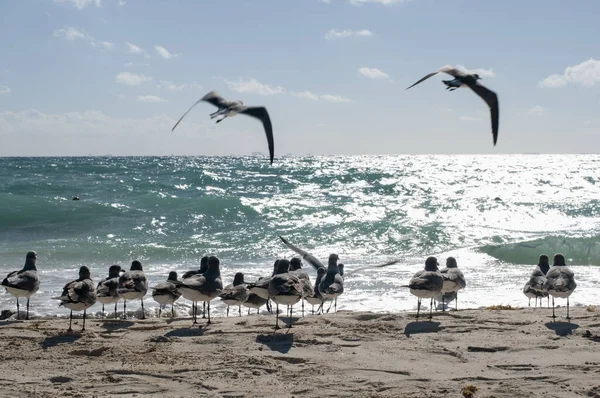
[504, 353]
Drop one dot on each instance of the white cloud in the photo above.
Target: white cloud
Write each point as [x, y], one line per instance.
[4, 90]
[586, 73]
[469, 118]
[131, 79]
[150, 98]
[481, 72]
[334, 98]
[163, 52]
[169, 85]
[134, 64]
[106, 44]
[553, 81]
[122, 3]
[70, 33]
[536, 111]
[306, 95]
[326, 1]
[253, 86]
[384, 2]
[133, 49]
[373, 73]
[81, 4]
[342, 34]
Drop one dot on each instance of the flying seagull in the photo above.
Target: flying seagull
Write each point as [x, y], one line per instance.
[232, 108]
[467, 79]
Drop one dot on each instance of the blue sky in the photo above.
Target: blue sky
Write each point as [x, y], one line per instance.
[81, 77]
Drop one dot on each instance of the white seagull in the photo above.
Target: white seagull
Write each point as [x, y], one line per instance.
[232, 108]
[462, 79]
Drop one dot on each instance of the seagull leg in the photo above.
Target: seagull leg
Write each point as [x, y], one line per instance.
[208, 323]
[103, 310]
[172, 311]
[27, 316]
[116, 311]
[456, 301]
[18, 311]
[204, 310]
[227, 311]
[431, 309]
[302, 308]
[240, 310]
[553, 316]
[529, 305]
[568, 317]
[418, 307]
[329, 306]
[443, 302]
[159, 310]
[277, 317]
[70, 321]
[291, 310]
[83, 328]
[143, 313]
[269, 307]
[124, 309]
[221, 119]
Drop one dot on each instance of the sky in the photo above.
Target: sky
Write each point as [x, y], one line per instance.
[111, 77]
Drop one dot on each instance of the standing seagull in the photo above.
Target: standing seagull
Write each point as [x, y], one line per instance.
[106, 291]
[203, 287]
[232, 108]
[537, 281]
[560, 282]
[315, 298]
[23, 283]
[187, 274]
[78, 295]
[427, 283]
[462, 79]
[285, 288]
[236, 293]
[133, 285]
[166, 293]
[454, 280]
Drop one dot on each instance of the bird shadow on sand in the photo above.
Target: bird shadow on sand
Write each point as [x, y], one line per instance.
[64, 338]
[562, 328]
[186, 332]
[116, 324]
[421, 327]
[277, 342]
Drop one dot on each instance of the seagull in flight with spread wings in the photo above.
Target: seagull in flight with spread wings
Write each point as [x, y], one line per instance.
[462, 79]
[232, 108]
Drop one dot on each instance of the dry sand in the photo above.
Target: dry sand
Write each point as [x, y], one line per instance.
[518, 353]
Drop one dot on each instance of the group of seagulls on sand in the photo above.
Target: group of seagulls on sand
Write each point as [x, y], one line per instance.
[287, 285]
[556, 281]
[461, 79]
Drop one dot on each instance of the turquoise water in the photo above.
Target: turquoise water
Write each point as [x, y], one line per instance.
[495, 213]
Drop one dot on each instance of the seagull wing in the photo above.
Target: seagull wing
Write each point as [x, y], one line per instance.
[211, 97]
[346, 274]
[452, 71]
[261, 113]
[491, 99]
[312, 260]
[215, 99]
[425, 78]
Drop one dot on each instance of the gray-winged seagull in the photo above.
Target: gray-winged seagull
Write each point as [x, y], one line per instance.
[462, 79]
[232, 108]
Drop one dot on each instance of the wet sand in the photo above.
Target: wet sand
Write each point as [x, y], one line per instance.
[504, 353]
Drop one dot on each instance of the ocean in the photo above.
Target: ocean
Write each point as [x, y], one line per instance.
[494, 213]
